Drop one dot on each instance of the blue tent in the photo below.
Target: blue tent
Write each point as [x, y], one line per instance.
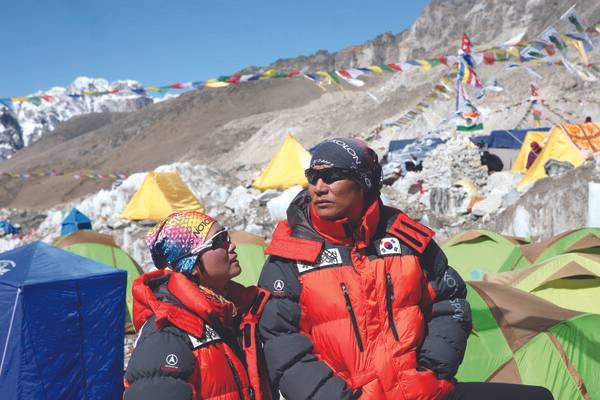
[6, 228]
[61, 325]
[75, 221]
[506, 139]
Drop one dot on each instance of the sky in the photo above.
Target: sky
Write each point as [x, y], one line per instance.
[157, 42]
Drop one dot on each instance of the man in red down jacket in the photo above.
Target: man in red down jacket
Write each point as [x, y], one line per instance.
[363, 303]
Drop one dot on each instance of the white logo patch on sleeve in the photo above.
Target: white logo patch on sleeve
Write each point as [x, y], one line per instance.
[389, 246]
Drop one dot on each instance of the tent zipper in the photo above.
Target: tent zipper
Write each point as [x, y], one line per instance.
[389, 296]
[236, 377]
[352, 316]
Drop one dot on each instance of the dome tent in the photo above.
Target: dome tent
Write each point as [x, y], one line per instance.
[570, 280]
[477, 252]
[74, 221]
[519, 338]
[286, 168]
[250, 249]
[583, 240]
[161, 194]
[103, 249]
[61, 325]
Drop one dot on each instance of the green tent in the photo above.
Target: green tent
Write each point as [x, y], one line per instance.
[520, 338]
[583, 240]
[570, 280]
[250, 249]
[103, 249]
[477, 252]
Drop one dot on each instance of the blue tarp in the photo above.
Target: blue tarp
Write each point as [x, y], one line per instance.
[75, 221]
[6, 228]
[62, 319]
[506, 139]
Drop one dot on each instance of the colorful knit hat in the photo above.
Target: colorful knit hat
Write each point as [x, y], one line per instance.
[176, 236]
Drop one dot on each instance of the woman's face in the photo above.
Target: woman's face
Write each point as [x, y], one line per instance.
[220, 264]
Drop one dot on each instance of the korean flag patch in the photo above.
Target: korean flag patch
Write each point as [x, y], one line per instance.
[389, 246]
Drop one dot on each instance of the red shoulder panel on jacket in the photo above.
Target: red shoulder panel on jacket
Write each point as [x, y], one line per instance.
[284, 245]
[411, 232]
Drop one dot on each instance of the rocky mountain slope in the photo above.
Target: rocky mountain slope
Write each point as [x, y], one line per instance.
[439, 28]
[237, 129]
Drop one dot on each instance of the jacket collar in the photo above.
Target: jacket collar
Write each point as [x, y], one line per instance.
[184, 304]
[304, 223]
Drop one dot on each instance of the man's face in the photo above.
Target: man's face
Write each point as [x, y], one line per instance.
[335, 200]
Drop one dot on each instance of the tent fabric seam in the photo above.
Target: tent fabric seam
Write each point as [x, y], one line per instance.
[498, 316]
[572, 371]
[10, 325]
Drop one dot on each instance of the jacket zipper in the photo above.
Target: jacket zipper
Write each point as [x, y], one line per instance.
[235, 377]
[352, 316]
[389, 296]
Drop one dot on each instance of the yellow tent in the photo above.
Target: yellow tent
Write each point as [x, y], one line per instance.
[566, 143]
[520, 164]
[286, 169]
[161, 194]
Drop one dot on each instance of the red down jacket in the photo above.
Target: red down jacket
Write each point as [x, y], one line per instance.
[191, 345]
[370, 311]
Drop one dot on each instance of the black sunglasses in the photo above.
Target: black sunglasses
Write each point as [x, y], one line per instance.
[220, 240]
[329, 175]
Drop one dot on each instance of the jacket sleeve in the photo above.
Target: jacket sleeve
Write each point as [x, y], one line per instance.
[160, 365]
[292, 366]
[449, 322]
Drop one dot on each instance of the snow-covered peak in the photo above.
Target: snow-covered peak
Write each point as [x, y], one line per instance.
[36, 120]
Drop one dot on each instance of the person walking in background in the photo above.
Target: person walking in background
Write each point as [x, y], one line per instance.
[535, 151]
[196, 327]
[363, 304]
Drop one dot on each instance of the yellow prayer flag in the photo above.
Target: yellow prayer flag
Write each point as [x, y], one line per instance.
[152, 89]
[18, 99]
[376, 68]
[579, 47]
[213, 83]
[424, 65]
[514, 52]
[268, 74]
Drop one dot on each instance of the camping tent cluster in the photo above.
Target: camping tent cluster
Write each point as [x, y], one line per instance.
[536, 314]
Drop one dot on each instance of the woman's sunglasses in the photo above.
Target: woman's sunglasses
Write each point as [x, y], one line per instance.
[329, 175]
[219, 240]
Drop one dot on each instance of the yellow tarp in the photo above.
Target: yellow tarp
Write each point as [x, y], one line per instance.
[520, 163]
[286, 169]
[566, 143]
[161, 194]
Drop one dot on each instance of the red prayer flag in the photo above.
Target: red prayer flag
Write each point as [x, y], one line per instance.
[550, 49]
[534, 92]
[235, 78]
[344, 73]
[489, 58]
[397, 67]
[47, 98]
[293, 73]
[177, 86]
[466, 44]
[443, 60]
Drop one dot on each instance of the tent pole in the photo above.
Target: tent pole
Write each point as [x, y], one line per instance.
[12, 319]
